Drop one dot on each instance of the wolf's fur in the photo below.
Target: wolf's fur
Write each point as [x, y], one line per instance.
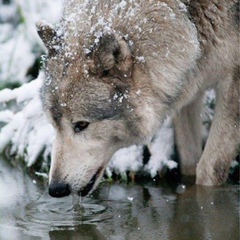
[124, 66]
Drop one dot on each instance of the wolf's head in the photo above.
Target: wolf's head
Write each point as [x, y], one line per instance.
[92, 99]
[113, 73]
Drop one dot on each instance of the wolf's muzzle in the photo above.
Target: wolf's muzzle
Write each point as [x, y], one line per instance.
[59, 189]
[85, 190]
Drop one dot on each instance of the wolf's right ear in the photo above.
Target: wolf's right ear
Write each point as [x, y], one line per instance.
[114, 53]
[49, 36]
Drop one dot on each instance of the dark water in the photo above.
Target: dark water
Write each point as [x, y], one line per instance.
[117, 212]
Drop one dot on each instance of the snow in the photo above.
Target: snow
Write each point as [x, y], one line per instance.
[26, 92]
[127, 159]
[27, 129]
[6, 116]
[19, 41]
[161, 149]
[140, 58]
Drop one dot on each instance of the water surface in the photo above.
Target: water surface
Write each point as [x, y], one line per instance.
[117, 211]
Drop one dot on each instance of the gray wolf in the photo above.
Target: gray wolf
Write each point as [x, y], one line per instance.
[116, 69]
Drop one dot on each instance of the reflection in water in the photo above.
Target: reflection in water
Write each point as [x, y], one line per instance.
[82, 232]
[117, 212]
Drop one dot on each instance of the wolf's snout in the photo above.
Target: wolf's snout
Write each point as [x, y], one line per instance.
[59, 189]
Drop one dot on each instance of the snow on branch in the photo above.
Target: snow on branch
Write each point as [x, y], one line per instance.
[20, 44]
[25, 128]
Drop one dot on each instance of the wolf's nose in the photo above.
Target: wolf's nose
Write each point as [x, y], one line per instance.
[59, 190]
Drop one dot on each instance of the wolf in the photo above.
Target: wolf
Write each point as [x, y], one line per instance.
[117, 69]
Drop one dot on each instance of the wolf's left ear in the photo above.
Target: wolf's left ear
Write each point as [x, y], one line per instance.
[49, 36]
[114, 53]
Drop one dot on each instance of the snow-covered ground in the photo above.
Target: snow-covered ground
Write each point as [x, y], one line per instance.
[23, 125]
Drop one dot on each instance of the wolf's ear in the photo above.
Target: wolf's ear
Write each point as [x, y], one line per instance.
[114, 53]
[49, 36]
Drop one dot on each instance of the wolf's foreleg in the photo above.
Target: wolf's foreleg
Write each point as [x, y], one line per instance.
[188, 135]
[221, 146]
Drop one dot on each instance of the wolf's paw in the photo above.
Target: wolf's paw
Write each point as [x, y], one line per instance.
[213, 175]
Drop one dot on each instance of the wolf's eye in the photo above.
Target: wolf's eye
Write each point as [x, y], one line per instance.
[79, 126]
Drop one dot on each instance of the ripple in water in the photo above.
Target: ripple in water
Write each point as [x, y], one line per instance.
[50, 213]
